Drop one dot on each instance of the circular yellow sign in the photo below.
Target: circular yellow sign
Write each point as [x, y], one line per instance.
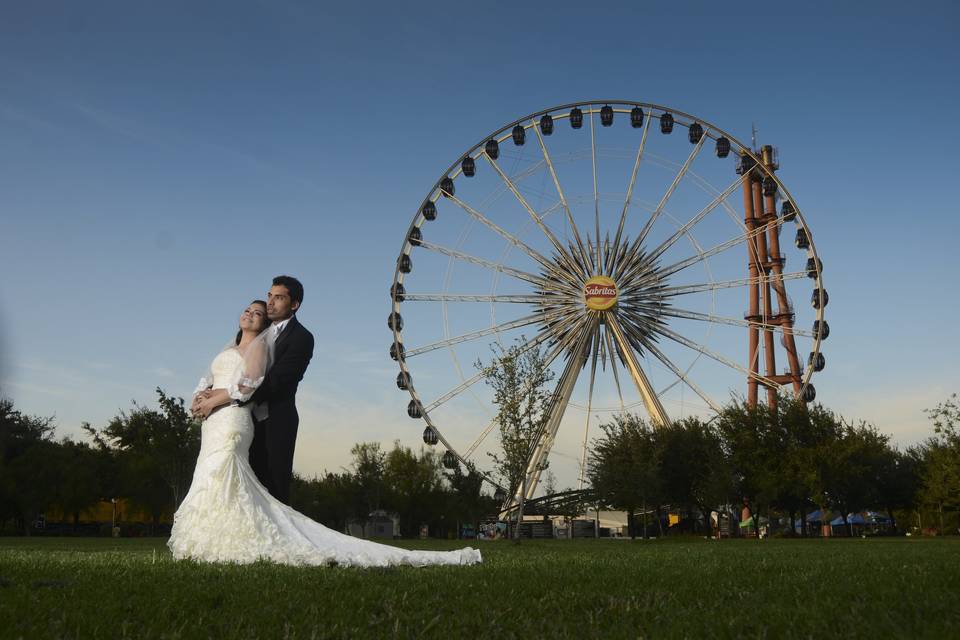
[600, 293]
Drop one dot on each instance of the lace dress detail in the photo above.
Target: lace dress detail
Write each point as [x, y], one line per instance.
[228, 516]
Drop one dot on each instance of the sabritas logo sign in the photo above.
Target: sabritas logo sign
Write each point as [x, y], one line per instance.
[600, 293]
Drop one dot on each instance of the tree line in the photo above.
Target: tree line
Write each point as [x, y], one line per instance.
[147, 455]
[787, 462]
[414, 485]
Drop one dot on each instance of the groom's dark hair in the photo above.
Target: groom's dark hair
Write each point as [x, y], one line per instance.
[293, 286]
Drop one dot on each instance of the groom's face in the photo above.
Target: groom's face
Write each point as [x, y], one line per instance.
[279, 304]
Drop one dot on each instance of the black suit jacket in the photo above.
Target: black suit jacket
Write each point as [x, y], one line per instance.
[274, 440]
[291, 354]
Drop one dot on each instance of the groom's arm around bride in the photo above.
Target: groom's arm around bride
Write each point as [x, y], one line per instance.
[271, 454]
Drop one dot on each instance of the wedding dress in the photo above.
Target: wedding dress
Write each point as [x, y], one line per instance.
[228, 516]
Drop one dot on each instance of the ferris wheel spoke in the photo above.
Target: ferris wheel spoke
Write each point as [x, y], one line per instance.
[728, 284]
[474, 335]
[506, 235]
[563, 340]
[559, 400]
[449, 447]
[690, 344]
[613, 367]
[533, 169]
[586, 430]
[466, 384]
[654, 407]
[523, 349]
[669, 242]
[451, 297]
[736, 322]
[734, 216]
[666, 196]
[629, 196]
[483, 436]
[723, 246]
[635, 275]
[533, 214]
[457, 390]
[556, 183]
[495, 266]
[596, 198]
[659, 355]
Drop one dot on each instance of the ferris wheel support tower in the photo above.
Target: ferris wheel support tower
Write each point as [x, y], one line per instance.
[765, 270]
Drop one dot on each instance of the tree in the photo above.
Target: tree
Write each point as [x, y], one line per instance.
[693, 468]
[368, 469]
[156, 451]
[940, 483]
[753, 443]
[946, 420]
[799, 437]
[28, 478]
[550, 484]
[853, 467]
[624, 466]
[467, 486]
[333, 498]
[84, 477]
[899, 481]
[412, 482]
[519, 379]
[304, 496]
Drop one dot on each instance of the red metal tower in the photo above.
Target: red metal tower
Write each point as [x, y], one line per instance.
[765, 269]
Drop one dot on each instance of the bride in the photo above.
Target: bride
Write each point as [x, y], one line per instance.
[227, 515]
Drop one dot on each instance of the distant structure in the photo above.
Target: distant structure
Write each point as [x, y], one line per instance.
[591, 227]
[770, 309]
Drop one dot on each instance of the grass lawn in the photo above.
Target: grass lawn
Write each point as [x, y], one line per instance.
[102, 588]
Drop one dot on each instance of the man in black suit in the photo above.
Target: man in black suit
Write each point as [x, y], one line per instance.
[274, 439]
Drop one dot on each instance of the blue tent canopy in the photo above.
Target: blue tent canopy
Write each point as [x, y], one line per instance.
[818, 516]
[853, 518]
[872, 517]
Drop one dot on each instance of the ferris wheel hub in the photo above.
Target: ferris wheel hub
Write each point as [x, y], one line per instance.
[600, 293]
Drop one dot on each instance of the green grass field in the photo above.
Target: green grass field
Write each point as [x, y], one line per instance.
[101, 588]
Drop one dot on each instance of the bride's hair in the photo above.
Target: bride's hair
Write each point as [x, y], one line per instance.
[266, 321]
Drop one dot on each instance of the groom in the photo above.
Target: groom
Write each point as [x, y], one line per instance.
[274, 439]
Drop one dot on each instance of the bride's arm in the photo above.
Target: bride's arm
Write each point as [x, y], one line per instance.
[213, 401]
[201, 391]
[249, 374]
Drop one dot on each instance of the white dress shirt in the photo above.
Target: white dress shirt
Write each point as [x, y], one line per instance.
[278, 327]
[261, 411]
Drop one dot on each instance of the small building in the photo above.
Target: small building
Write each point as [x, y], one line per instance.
[381, 524]
[378, 524]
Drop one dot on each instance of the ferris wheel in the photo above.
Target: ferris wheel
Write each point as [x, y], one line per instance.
[594, 232]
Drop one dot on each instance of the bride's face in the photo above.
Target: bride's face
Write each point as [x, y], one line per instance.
[254, 318]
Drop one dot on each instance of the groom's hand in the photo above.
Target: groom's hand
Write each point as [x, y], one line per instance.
[195, 408]
[207, 406]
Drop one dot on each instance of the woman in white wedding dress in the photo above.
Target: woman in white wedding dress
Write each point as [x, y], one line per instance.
[227, 515]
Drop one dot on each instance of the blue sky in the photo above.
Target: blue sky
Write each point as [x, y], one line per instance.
[161, 161]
